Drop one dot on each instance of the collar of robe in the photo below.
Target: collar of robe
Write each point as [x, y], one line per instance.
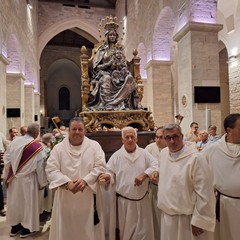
[230, 149]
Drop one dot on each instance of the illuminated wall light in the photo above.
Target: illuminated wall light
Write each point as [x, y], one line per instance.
[28, 83]
[29, 4]
[232, 31]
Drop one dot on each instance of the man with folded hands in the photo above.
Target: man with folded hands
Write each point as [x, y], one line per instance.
[72, 169]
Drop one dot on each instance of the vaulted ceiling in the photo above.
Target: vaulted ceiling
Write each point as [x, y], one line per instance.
[73, 37]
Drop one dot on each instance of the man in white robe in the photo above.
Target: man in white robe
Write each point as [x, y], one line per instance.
[185, 195]
[155, 149]
[25, 176]
[130, 168]
[224, 160]
[73, 168]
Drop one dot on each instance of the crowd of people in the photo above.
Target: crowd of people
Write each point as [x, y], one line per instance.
[172, 189]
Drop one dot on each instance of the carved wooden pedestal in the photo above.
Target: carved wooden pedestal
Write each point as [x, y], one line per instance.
[95, 120]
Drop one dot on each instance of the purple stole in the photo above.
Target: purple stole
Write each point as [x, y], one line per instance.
[29, 151]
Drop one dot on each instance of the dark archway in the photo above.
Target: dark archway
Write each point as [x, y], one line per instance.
[64, 99]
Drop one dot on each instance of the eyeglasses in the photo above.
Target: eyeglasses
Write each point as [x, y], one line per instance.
[173, 137]
[159, 137]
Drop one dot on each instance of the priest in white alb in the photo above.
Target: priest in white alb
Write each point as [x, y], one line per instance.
[223, 157]
[185, 194]
[155, 149]
[73, 169]
[129, 169]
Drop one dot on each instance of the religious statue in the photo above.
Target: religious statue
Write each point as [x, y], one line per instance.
[113, 86]
[112, 89]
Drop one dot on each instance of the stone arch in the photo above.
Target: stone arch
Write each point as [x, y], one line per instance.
[63, 73]
[162, 36]
[89, 31]
[203, 11]
[142, 53]
[13, 55]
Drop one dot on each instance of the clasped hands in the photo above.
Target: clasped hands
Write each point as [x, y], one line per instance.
[76, 185]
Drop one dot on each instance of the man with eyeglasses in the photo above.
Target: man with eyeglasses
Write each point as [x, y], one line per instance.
[155, 149]
[185, 195]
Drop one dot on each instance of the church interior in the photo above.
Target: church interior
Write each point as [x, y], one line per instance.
[189, 54]
[182, 45]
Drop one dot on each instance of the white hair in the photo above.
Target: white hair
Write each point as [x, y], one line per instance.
[131, 129]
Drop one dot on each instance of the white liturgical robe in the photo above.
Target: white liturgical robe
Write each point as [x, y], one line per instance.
[153, 189]
[73, 214]
[23, 190]
[153, 149]
[135, 217]
[185, 195]
[224, 162]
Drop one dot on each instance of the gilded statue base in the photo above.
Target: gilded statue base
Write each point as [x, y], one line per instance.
[116, 120]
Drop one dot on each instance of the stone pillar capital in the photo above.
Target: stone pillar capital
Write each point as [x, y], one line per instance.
[196, 26]
[29, 86]
[16, 76]
[157, 63]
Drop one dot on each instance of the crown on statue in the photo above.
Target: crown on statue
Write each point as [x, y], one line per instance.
[109, 23]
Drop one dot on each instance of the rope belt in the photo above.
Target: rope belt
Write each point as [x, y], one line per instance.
[131, 199]
[218, 203]
[117, 230]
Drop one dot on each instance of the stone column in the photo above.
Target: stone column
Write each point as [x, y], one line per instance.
[198, 65]
[15, 98]
[29, 104]
[37, 107]
[160, 100]
[234, 83]
[3, 94]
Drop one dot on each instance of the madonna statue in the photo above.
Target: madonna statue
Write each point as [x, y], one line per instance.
[113, 86]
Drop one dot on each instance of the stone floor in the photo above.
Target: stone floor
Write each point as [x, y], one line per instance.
[41, 235]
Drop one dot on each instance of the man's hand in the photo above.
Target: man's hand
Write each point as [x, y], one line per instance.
[77, 185]
[140, 179]
[104, 178]
[154, 177]
[196, 231]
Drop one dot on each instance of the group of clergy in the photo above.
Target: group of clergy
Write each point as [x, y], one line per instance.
[165, 192]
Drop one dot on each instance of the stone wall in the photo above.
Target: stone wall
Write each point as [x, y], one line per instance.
[18, 44]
